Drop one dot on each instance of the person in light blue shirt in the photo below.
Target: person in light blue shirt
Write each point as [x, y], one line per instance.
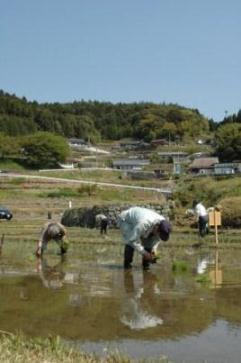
[142, 230]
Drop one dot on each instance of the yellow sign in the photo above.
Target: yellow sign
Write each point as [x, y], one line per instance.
[214, 218]
[216, 274]
[216, 277]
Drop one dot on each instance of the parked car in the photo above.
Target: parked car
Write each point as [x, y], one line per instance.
[5, 213]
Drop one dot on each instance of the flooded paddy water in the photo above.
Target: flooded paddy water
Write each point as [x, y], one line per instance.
[187, 307]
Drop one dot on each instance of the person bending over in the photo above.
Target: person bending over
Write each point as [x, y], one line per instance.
[52, 231]
[102, 221]
[142, 229]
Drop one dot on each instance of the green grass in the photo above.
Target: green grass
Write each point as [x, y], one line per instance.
[180, 267]
[60, 193]
[17, 181]
[11, 165]
[18, 348]
[110, 176]
[209, 190]
[203, 278]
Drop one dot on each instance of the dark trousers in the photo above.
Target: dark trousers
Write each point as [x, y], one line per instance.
[203, 226]
[128, 258]
[103, 226]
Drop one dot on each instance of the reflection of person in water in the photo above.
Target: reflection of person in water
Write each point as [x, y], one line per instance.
[137, 308]
[202, 264]
[52, 276]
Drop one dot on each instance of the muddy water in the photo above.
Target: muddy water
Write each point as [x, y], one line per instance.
[188, 307]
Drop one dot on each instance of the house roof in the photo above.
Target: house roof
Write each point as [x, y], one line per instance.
[172, 153]
[131, 162]
[159, 141]
[130, 142]
[74, 140]
[233, 164]
[205, 163]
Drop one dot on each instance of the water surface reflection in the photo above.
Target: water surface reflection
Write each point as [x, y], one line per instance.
[94, 305]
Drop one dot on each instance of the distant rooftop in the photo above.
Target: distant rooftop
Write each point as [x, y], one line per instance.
[77, 141]
[172, 153]
[200, 163]
[126, 162]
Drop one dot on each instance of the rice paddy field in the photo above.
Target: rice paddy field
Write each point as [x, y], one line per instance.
[85, 307]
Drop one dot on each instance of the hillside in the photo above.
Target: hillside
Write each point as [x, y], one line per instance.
[93, 120]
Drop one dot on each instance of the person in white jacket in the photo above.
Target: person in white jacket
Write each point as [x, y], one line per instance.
[202, 217]
[142, 229]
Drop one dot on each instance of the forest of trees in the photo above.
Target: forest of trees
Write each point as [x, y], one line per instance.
[95, 121]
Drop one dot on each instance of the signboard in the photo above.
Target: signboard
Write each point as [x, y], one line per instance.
[214, 218]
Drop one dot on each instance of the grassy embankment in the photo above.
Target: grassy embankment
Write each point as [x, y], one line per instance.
[16, 348]
[30, 202]
[222, 191]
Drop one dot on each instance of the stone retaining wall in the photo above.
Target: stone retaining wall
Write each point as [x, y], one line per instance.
[85, 217]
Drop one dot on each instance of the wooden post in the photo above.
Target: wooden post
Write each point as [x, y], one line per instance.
[216, 267]
[1, 243]
[216, 228]
[216, 275]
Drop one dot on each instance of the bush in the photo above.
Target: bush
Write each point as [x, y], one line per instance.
[179, 267]
[206, 189]
[44, 150]
[67, 192]
[89, 189]
[61, 193]
[231, 212]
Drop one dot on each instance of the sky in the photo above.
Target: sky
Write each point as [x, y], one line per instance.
[186, 52]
